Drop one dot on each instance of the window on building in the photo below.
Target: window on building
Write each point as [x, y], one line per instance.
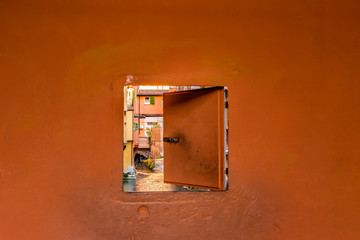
[152, 100]
[147, 100]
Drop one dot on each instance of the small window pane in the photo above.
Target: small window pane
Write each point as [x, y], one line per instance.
[147, 100]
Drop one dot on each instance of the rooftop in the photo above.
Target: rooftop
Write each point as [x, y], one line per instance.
[152, 92]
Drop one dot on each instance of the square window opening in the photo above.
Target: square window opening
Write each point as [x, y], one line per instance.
[147, 100]
[175, 138]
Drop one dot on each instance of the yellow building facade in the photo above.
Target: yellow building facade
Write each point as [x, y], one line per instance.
[128, 137]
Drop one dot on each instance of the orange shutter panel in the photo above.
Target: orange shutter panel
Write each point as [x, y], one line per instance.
[196, 117]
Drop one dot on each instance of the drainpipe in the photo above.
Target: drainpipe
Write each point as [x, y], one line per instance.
[139, 116]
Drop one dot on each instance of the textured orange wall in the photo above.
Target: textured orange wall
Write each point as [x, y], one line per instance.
[155, 108]
[293, 74]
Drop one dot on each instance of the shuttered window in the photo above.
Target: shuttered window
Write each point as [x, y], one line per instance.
[194, 146]
[152, 100]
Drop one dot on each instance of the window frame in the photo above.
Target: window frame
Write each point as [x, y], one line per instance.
[142, 127]
[147, 100]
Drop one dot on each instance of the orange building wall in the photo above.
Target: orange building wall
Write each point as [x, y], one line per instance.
[155, 108]
[293, 76]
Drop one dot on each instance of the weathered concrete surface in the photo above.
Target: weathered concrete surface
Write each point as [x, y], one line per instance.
[292, 71]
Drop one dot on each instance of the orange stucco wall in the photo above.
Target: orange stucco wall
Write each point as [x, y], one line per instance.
[293, 76]
[155, 108]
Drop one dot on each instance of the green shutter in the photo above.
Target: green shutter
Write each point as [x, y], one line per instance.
[152, 100]
[136, 126]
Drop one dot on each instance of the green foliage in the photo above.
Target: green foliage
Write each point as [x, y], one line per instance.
[148, 130]
[155, 125]
[150, 163]
[195, 189]
[148, 133]
[125, 175]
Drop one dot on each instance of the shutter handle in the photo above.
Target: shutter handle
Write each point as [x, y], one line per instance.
[171, 139]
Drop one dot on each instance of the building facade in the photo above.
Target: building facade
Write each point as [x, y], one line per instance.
[148, 109]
